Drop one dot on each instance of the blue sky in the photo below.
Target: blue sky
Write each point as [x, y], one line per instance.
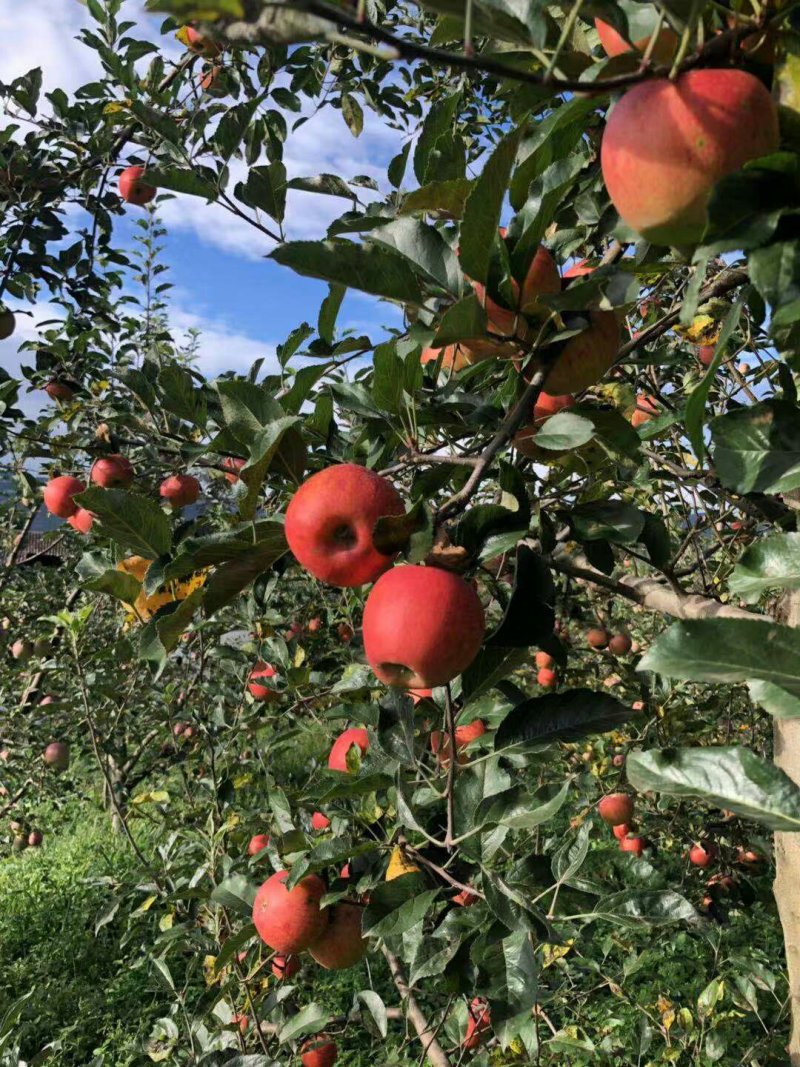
[242, 303]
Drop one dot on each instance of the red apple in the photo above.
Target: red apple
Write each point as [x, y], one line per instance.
[546, 678]
[112, 472]
[646, 408]
[58, 494]
[418, 695]
[22, 650]
[618, 760]
[705, 353]
[58, 391]
[465, 735]
[257, 843]
[289, 920]
[256, 687]
[702, 854]
[465, 899]
[479, 1024]
[132, 187]
[82, 521]
[667, 143]
[35, 838]
[544, 660]
[422, 627]
[620, 644]
[200, 44]
[621, 831]
[56, 755]
[320, 821]
[636, 845]
[587, 356]
[341, 944]
[330, 520]
[345, 632]
[355, 736]
[179, 490]
[233, 464]
[616, 808]
[285, 967]
[597, 638]
[314, 626]
[319, 1051]
[547, 406]
[614, 44]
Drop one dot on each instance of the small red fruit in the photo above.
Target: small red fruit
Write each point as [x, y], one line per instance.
[257, 843]
[702, 855]
[200, 44]
[355, 736]
[255, 686]
[82, 521]
[620, 644]
[112, 472]
[479, 1024]
[233, 464]
[319, 1051]
[58, 391]
[544, 660]
[179, 490]
[465, 899]
[314, 626]
[646, 408]
[35, 838]
[285, 967]
[58, 494]
[56, 755]
[636, 845]
[546, 678]
[465, 735]
[597, 638]
[616, 808]
[621, 831]
[133, 189]
[320, 821]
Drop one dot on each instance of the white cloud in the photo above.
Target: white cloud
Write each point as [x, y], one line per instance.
[221, 348]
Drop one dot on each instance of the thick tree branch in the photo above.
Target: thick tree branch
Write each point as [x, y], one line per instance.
[432, 1050]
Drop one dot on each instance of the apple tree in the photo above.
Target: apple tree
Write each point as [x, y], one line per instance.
[365, 649]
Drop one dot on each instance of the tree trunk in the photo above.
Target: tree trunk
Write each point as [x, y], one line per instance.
[787, 852]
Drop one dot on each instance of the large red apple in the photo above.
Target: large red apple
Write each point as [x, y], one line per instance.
[597, 638]
[289, 920]
[112, 472]
[257, 844]
[179, 490]
[479, 1024]
[330, 520]
[667, 143]
[341, 945]
[703, 854]
[422, 627]
[616, 808]
[255, 682]
[454, 357]
[620, 645]
[58, 494]
[544, 660]
[200, 44]
[132, 187]
[636, 845]
[547, 679]
[285, 967]
[56, 755]
[7, 324]
[356, 735]
[587, 356]
[319, 1051]
[465, 735]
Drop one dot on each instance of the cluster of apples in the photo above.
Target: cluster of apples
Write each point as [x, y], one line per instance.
[22, 838]
[111, 472]
[422, 626]
[616, 810]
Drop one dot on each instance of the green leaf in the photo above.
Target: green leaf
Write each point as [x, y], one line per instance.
[609, 520]
[385, 917]
[732, 778]
[483, 207]
[236, 893]
[696, 402]
[567, 716]
[438, 123]
[179, 396]
[757, 448]
[161, 634]
[411, 533]
[520, 810]
[564, 431]
[233, 125]
[229, 579]
[424, 248]
[265, 189]
[309, 1020]
[329, 311]
[116, 583]
[377, 1009]
[445, 198]
[772, 563]
[131, 520]
[636, 907]
[190, 182]
[397, 167]
[530, 615]
[370, 268]
[352, 114]
[462, 321]
[199, 9]
[491, 666]
[775, 272]
[728, 650]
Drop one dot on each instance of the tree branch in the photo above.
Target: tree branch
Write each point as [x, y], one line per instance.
[431, 1047]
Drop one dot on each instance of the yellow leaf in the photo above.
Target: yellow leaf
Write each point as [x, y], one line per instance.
[399, 864]
[299, 657]
[242, 780]
[146, 905]
[158, 796]
[166, 921]
[551, 953]
[704, 330]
